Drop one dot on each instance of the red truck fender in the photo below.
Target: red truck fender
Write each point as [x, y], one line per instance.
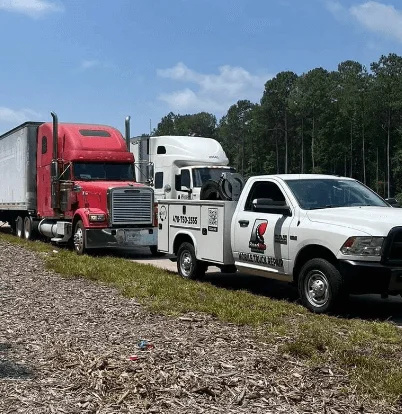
[81, 214]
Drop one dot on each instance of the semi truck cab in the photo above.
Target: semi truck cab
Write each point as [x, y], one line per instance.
[178, 166]
[76, 185]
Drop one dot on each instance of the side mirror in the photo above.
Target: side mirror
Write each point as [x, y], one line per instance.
[54, 169]
[167, 188]
[393, 202]
[186, 189]
[267, 205]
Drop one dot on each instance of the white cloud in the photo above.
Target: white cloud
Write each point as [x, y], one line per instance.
[89, 64]
[33, 8]
[212, 92]
[380, 18]
[374, 16]
[335, 8]
[11, 116]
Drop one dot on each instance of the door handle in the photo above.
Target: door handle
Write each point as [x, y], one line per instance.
[243, 223]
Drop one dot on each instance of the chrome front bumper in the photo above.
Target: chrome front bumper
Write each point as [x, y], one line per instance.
[101, 238]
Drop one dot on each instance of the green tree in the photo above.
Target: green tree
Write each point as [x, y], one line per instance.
[201, 124]
[275, 104]
[388, 92]
[235, 132]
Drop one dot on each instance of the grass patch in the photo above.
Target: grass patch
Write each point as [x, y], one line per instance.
[369, 351]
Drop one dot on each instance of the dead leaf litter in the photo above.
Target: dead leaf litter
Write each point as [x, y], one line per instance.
[74, 346]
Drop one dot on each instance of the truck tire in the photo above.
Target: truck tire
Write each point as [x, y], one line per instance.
[321, 286]
[154, 251]
[19, 227]
[210, 191]
[188, 266]
[79, 238]
[29, 230]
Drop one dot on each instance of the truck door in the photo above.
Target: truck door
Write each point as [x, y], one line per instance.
[183, 186]
[158, 185]
[260, 238]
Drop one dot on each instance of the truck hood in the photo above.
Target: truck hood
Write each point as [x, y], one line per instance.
[376, 221]
[94, 193]
[103, 186]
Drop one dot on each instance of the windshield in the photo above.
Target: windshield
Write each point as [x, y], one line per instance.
[102, 171]
[327, 193]
[201, 175]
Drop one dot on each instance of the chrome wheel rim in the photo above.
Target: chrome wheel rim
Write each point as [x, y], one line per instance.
[27, 228]
[78, 239]
[20, 226]
[186, 264]
[316, 288]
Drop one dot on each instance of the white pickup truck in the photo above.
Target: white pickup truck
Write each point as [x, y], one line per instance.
[329, 235]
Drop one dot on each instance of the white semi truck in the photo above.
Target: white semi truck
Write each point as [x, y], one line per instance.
[177, 167]
[329, 235]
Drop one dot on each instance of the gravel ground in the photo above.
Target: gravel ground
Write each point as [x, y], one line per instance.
[71, 346]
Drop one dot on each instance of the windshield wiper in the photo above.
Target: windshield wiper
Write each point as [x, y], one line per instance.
[322, 207]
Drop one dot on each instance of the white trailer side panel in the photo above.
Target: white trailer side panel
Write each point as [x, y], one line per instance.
[18, 168]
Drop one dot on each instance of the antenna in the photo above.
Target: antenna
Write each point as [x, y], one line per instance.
[150, 127]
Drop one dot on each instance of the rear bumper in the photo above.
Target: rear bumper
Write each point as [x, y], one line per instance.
[371, 277]
[101, 238]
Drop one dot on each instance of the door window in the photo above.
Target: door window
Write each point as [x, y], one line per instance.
[264, 189]
[185, 178]
[158, 180]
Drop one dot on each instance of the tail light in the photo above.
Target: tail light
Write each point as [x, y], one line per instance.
[155, 224]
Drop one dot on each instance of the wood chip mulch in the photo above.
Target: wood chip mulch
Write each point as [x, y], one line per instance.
[73, 346]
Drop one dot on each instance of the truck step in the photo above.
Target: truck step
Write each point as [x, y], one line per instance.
[58, 240]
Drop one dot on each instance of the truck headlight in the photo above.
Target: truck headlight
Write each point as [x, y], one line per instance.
[97, 217]
[363, 246]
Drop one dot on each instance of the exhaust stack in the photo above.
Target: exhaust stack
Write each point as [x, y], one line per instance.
[55, 135]
[127, 132]
[54, 171]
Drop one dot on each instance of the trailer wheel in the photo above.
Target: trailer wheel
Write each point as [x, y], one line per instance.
[28, 228]
[19, 227]
[187, 264]
[320, 286]
[79, 238]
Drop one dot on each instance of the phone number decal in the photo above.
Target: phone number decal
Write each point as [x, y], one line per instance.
[185, 219]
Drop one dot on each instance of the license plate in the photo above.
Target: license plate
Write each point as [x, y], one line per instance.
[132, 237]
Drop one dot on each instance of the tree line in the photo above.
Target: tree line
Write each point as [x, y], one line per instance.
[344, 122]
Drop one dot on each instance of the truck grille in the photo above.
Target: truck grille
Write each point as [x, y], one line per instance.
[393, 246]
[131, 206]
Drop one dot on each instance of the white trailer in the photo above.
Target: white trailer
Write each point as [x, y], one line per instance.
[178, 166]
[18, 170]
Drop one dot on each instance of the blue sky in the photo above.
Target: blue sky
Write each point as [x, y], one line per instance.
[97, 61]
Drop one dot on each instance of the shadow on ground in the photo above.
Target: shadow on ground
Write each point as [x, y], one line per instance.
[369, 307]
[11, 370]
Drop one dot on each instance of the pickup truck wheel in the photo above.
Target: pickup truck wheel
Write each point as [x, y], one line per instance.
[79, 238]
[320, 286]
[187, 264]
[19, 227]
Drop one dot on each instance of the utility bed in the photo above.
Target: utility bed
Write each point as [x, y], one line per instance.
[206, 222]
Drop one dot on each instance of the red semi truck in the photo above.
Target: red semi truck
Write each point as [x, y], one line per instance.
[74, 183]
